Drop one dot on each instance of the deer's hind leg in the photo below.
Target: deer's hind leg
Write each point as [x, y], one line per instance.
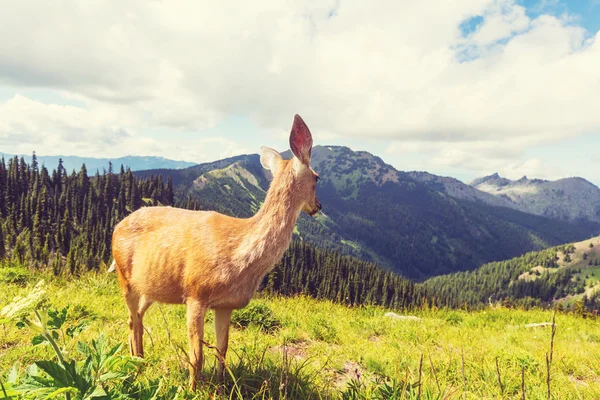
[195, 321]
[132, 299]
[143, 304]
[222, 321]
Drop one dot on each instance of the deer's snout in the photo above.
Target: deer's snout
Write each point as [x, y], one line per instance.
[318, 208]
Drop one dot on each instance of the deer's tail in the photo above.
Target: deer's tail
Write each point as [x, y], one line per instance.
[113, 267]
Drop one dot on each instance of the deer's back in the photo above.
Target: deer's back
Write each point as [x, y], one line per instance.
[170, 253]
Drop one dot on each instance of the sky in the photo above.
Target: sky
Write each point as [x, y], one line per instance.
[460, 88]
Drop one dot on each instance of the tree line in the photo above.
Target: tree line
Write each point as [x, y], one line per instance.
[64, 221]
[518, 282]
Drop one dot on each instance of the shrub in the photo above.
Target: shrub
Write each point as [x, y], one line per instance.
[323, 330]
[454, 319]
[14, 275]
[258, 314]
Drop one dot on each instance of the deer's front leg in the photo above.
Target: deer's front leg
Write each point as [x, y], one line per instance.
[222, 320]
[195, 322]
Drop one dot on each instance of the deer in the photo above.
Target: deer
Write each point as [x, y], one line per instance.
[208, 260]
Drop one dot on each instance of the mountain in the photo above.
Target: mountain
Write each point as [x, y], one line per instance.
[375, 212]
[135, 163]
[455, 188]
[569, 199]
[563, 274]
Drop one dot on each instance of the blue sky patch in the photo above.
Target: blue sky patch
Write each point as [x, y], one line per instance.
[587, 12]
[470, 25]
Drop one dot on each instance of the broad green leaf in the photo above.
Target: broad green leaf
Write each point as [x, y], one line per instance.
[41, 382]
[62, 390]
[84, 349]
[82, 382]
[32, 389]
[98, 392]
[123, 364]
[86, 369]
[115, 349]
[100, 344]
[56, 371]
[73, 331]
[109, 376]
[39, 339]
[57, 318]
[32, 370]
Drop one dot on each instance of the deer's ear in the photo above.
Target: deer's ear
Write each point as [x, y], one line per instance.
[270, 159]
[301, 140]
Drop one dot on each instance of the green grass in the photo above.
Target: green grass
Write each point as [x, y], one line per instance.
[316, 349]
[593, 274]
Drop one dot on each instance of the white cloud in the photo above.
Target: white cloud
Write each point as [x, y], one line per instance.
[27, 124]
[509, 159]
[501, 20]
[389, 70]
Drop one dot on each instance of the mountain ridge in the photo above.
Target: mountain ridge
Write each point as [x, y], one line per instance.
[570, 199]
[93, 164]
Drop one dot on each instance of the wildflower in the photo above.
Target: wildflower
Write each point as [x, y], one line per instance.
[22, 306]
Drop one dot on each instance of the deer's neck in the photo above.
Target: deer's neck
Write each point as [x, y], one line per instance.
[270, 230]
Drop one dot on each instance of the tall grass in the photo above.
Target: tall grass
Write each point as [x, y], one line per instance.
[301, 348]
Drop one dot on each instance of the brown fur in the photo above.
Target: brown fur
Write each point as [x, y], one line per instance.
[208, 260]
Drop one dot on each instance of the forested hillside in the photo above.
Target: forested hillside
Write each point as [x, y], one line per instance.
[65, 222]
[566, 274]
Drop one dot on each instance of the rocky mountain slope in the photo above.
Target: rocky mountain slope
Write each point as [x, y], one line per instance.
[460, 190]
[375, 212]
[570, 199]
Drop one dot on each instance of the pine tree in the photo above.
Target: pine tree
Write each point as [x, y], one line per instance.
[2, 245]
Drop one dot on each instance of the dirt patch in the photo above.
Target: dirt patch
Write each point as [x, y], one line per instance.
[292, 350]
[200, 182]
[8, 345]
[351, 371]
[531, 277]
[375, 339]
[578, 380]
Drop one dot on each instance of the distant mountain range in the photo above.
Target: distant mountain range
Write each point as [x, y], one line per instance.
[136, 163]
[418, 224]
[570, 199]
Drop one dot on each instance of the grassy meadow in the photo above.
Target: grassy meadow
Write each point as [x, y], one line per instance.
[301, 348]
